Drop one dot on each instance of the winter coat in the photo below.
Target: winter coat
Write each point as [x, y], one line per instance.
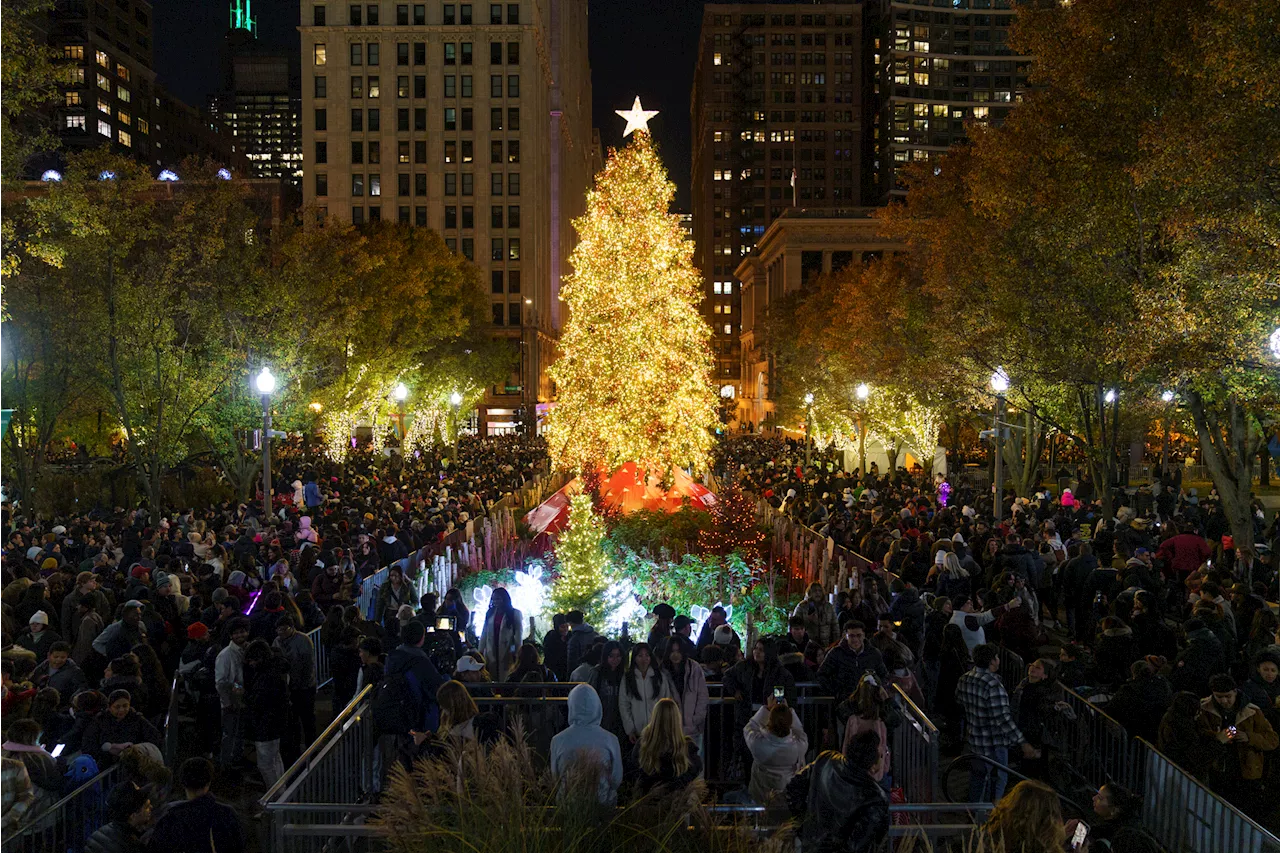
[266, 699]
[42, 768]
[301, 657]
[105, 728]
[555, 654]
[775, 760]
[908, 609]
[390, 600]
[500, 650]
[197, 826]
[1116, 650]
[666, 777]
[38, 644]
[115, 837]
[1265, 696]
[1248, 719]
[844, 809]
[635, 708]
[577, 644]
[819, 620]
[843, 668]
[86, 633]
[1203, 657]
[691, 694]
[1139, 703]
[752, 688]
[68, 680]
[584, 738]
[1033, 708]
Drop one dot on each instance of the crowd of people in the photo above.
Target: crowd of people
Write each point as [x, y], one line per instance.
[108, 612]
[1146, 614]
[1152, 615]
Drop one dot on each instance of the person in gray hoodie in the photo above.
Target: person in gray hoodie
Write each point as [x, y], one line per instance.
[585, 740]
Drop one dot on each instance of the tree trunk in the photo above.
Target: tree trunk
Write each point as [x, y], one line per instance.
[1022, 455]
[1228, 447]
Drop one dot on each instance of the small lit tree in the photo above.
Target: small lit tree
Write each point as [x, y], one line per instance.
[582, 564]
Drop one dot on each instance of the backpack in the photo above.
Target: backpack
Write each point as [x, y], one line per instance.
[395, 704]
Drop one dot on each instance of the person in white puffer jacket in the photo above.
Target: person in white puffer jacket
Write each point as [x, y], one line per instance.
[642, 687]
[778, 747]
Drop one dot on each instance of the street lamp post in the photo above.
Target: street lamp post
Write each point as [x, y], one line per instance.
[999, 384]
[400, 393]
[1167, 397]
[808, 427]
[862, 392]
[266, 383]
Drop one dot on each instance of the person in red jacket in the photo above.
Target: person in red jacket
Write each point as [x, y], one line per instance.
[1184, 553]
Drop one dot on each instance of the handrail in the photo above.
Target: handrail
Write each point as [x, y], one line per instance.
[304, 760]
[170, 735]
[914, 708]
[946, 776]
[53, 819]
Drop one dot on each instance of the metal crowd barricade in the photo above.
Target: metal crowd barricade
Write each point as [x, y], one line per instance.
[1187, 817]
[1178, 810]
[369, 594]
[67, 824]
[914, 753]
[328, 783]
[323, 676]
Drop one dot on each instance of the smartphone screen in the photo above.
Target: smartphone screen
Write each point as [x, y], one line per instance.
[57, 750]
[1081, 833]
[444, 623]
[779, 693]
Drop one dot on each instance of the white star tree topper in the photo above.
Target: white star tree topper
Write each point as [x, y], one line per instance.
[637, 117]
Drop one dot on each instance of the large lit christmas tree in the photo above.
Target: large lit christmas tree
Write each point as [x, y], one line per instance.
[634, 374]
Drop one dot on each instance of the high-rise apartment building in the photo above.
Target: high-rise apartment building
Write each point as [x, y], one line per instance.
[109, 95]
[109, 90]
[777, 123]
[258, 102]
[937, 64]
[473, 120]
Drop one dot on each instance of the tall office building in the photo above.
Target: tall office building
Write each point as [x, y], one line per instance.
[777, 123]
[258, 102]
[936, 65]
[473, 120]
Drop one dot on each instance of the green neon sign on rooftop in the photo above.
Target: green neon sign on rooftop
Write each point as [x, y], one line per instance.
[242, 17]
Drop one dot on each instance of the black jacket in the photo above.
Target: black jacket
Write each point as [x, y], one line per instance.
[843, 809]
[202, 825]
[1139, 704]
[742, 678]
[105, 728]
[666, 778]
[842, 669]
[266, 699]
[555, 654]
[115, 837]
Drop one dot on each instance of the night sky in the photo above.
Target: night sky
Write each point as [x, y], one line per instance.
[638, 47]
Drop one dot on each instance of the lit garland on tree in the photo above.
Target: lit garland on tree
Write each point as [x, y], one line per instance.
[634, 375]
[733, 526]
[583, 567]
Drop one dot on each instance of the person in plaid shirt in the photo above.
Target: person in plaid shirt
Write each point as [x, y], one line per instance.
[16, 795]
[989, 726]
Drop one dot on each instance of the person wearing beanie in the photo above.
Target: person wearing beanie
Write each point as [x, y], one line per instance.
[129, 811]
[49, 565]
[38, 637]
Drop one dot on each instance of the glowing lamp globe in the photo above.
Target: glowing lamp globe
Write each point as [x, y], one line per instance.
[862, 391]
[1110, 396]
[400, 392]
[265, 382]
[1167, 396]
[455, 398]
[808, 399]
[1000, 381]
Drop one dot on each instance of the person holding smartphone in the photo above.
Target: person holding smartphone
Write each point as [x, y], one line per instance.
[1241, 733]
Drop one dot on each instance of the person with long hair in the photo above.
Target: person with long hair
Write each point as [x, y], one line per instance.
[1028, 819]
[688, 685]
[868, 708]
[158, 686]
[662, 756]
[644, 684]
[606, 679]
[461, 723]
[502, 633]
[394, 593]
